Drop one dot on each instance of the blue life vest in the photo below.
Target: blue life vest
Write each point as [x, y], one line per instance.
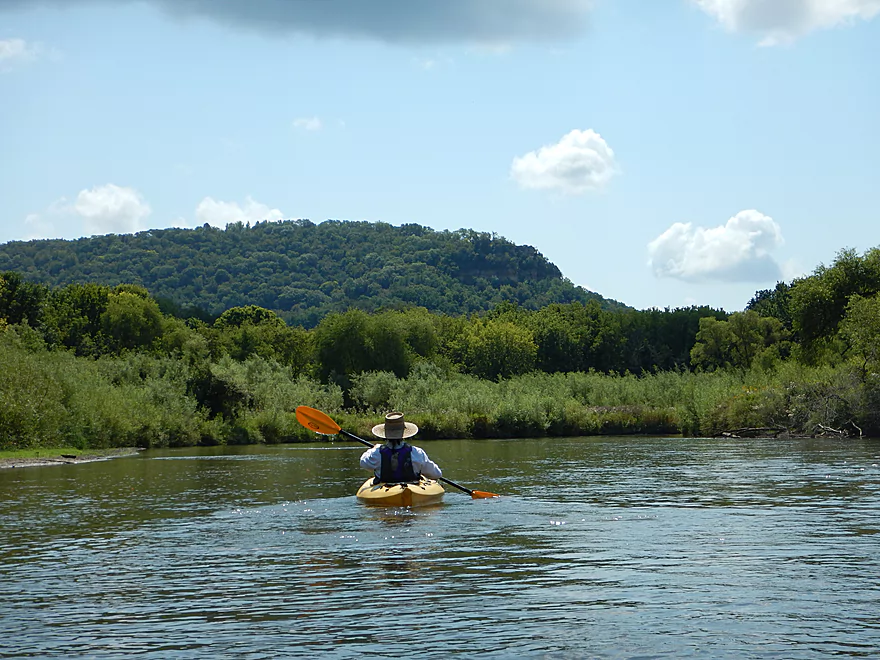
[397, 464]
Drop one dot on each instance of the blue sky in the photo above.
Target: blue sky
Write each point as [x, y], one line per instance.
[659, 152]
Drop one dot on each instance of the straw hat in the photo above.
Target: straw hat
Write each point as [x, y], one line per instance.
[395, 428]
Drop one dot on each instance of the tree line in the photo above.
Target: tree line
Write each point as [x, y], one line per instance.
[94, 320]
[99, 365]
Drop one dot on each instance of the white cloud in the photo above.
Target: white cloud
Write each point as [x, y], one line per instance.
[52, 222]
[107, 209]
[219, 214]
[308, 123]
[792, 269]
[114, 209]
[782, 21]
[738, 251]
[111, 209]
[579, 162]
[37, 226]
[13, 51]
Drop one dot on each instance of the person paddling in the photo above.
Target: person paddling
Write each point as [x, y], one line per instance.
[397, 461]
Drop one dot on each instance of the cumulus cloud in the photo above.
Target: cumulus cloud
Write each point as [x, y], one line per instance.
[112, 209]
[219, 214]
[579, 162]
[15, 51]
[738, 251]
[37, 225]
[782, 21]
[308, 123]
[473, 21]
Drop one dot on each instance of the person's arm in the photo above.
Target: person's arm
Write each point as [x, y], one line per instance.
[372, 459]
[424, 465]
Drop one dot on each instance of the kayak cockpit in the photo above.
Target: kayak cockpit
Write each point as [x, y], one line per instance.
[424, 491]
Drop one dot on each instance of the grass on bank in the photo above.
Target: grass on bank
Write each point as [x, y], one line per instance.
[52, 399]
[41, 452]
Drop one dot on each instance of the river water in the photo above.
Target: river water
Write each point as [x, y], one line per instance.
[598, 548]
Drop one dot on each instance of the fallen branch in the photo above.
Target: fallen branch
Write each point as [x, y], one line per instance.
[841, 433]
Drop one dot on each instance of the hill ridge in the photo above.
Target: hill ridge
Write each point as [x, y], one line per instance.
[303, 270]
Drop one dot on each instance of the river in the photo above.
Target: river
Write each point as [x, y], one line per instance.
[598, 548]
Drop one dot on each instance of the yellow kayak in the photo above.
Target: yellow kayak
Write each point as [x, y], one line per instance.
[426, 491]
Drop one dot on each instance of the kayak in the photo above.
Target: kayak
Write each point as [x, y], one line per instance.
[426, 491]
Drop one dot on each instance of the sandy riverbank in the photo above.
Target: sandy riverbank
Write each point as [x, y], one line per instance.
[67, 459]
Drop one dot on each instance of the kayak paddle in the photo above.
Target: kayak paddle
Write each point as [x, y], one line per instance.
[320, 422]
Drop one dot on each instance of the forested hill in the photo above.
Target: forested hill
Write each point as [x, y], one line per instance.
[302, 270]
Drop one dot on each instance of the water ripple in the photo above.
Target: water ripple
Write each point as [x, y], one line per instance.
[640, 548]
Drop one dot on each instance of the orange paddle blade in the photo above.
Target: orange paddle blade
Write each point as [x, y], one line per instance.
[482, 494]
[317, 421]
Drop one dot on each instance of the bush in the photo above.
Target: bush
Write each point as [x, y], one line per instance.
[372, 391]
[31, 410]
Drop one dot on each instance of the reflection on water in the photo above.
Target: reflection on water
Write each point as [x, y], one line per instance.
[599, 547]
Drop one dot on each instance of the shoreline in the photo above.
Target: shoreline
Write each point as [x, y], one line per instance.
[92, 455]
[65, 459]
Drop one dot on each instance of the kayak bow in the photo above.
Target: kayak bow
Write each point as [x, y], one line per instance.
[426, 491]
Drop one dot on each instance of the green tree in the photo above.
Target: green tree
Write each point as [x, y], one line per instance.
[818, 302]
[559, 340]
[72, 317]
[20, 301]
[738, 341]
[342, 346]
[753, 335]
[860, 329]
[418, 327]
[493, 349]
[291, 347]
[577, 337]
[243, 332]
[130, 320]
[774, 302]
[354, 342]
[250, 314]
[660, 339]
[713, 347]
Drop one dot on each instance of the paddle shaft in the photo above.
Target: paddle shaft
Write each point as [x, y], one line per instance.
[352, 436]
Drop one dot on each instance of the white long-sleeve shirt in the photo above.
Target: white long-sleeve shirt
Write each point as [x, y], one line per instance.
[372, 460]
